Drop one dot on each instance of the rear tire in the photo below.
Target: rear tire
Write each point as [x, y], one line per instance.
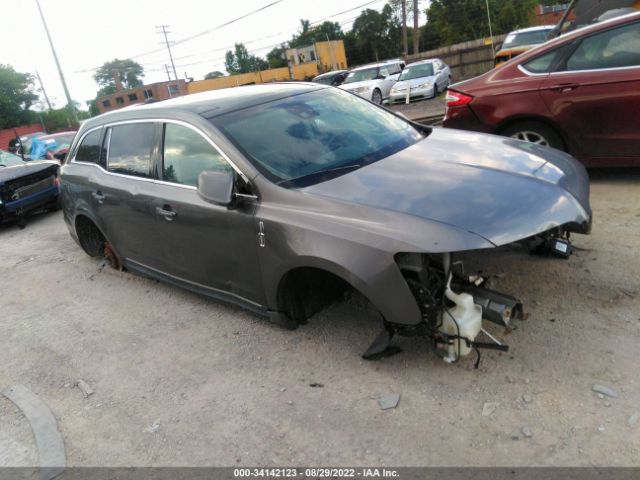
[534, 132]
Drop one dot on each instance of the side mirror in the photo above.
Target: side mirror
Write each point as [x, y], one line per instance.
[216, 187]
[395, 77]
[380, 77]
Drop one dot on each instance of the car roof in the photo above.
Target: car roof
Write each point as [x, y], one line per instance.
[330, 74]
[374, 65]
[420, 62]
[537, 28]
[211, 103]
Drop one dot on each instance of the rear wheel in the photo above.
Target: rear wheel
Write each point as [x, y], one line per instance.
[376, 97]
[534, 132]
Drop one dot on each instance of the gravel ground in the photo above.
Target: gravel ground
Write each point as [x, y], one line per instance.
[423, 108]
[181, 380]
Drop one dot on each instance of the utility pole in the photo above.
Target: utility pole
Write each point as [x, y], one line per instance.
[166, 67]
[416, 28]
[405, 43]
[168, 44]
[72, 108]
[44, 92]
[493, 50]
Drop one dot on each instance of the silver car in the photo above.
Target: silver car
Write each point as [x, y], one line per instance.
[423, 79]
[374, 81]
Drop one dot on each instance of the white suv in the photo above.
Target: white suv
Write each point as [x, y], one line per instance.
[374, 81]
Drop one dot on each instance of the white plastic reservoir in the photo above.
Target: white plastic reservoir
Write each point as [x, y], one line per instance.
[468, 317]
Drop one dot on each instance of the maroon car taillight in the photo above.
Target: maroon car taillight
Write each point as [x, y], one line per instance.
[457, 99]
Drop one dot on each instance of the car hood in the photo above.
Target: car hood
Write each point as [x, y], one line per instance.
[414, 82]
[11, 173]
[497, 188]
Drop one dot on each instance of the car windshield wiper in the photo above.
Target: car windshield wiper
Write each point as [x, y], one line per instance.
[304, 180]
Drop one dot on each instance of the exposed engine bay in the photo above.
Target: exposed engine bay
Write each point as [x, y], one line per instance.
[453, 307]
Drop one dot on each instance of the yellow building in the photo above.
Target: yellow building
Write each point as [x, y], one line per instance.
[303, 64]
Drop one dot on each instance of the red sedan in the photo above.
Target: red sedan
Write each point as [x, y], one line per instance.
[579, 93]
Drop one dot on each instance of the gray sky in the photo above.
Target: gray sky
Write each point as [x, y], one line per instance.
[86, 33]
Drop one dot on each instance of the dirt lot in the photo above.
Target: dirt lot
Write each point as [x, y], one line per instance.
[181, 380]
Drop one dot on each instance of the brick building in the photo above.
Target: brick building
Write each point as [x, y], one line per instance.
[130, 96]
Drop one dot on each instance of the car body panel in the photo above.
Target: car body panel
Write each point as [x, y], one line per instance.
[593, 111]
[507, 206]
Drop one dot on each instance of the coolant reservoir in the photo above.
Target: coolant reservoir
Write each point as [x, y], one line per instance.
[468, 317]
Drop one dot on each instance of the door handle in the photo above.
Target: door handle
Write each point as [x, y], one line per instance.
[565, 87]
[98, 197]
[166, 212]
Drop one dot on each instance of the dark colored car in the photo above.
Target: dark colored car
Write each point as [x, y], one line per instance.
[280, 197]
[334, 78]
[26, 186]
[579, 93]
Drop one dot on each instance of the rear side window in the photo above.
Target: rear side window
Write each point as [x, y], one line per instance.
[615, 48]
[187, 154]
[89, 149]
[549, 61]
[130, 149]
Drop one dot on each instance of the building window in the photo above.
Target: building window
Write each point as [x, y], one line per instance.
[133, 97]
[106, 103]
[120, 100]
[173, 89]
[148, 94]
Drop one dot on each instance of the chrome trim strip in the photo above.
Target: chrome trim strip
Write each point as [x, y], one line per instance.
[196, 284]
[575, 72]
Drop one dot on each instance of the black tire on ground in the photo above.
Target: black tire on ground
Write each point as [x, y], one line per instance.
[376, 97]
[534, 132]
[436, 91]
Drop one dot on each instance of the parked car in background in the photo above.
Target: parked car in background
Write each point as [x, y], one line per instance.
[51, 147]
[374, 81]
[26, 186]
[280, 198]
[22, 145]
[423, 79]
[335, 78]
[519, 41]
[579, 92]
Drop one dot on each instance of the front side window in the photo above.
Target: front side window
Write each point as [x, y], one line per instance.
[89, 149]
[615, 48]
[362, 75]
[187, 154]
[417, 71]
[130, 149]
[311, 137]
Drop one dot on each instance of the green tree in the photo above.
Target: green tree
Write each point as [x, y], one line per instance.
[214, 74]
[16, 97]
[276, 58]
[455, 21]
[129, 71]
[308, 35]
[374, 36]
[241, 61]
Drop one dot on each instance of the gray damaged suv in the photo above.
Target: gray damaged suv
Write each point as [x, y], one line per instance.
[278, 198]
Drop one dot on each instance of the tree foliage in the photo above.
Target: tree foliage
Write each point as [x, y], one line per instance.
[455, 21]
[129, 71]
[241, 61]
[276, 57]
[16, 97]
[374, 36]
[214, 74]
[308, 35]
